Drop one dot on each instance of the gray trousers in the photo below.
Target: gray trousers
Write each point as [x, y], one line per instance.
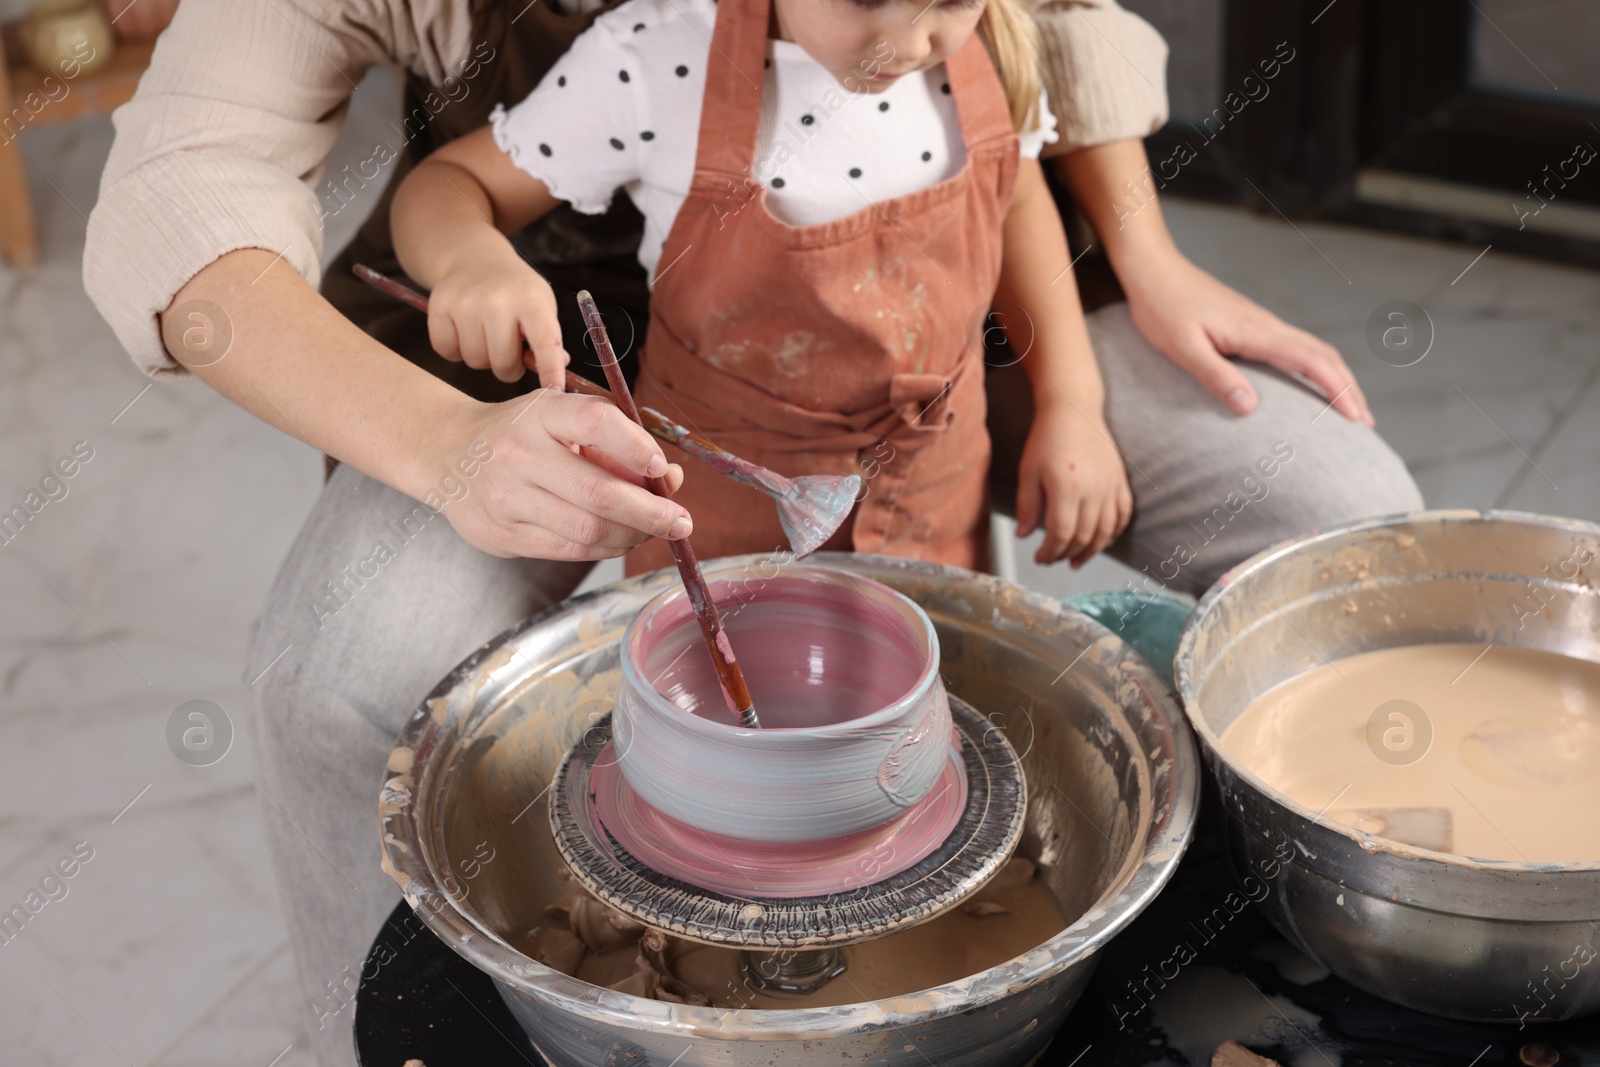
[354, 644]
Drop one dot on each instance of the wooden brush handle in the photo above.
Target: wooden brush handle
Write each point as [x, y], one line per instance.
[694, 580]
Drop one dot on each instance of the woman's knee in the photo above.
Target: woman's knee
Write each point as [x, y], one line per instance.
[378, 599]
[1337, 478]
[336, 640]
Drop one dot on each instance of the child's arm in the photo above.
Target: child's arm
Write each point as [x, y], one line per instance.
[1071, 477]
[449, 221]
[1185, 313]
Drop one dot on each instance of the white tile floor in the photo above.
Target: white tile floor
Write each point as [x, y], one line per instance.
[133, 593]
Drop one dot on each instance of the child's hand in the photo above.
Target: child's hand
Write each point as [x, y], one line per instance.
[1071, 478]
[481, 310]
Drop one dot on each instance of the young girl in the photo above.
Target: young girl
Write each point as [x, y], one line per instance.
[835, 193]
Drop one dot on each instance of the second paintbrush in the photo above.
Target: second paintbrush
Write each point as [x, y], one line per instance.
[734, 689]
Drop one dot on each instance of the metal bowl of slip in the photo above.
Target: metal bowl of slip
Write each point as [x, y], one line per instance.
[1112, 779]
[1399, 901]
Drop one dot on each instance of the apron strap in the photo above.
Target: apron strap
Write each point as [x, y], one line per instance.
[730, 116]
[981, 105]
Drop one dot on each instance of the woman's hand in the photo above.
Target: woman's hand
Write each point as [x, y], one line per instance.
[1196, 321]
[555, 476]
[1186, 314]
[483, 308]
[1071, 480]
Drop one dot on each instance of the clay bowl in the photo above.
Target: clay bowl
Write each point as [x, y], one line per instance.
[1441, 933]
[844, 672]
[1112, 777]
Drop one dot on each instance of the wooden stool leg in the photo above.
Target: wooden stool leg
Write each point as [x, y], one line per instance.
[19, 241]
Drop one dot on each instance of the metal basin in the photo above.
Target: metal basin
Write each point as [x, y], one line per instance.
[1459, 937]
[1113, 784]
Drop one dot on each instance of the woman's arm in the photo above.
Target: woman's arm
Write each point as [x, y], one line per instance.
[1071, 478]
[298, 364]
[1188, 315]
[449, 221]
[207, 226]
[1105, 69]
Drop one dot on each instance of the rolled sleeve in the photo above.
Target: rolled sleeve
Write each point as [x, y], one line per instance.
[158, 225]
[1105, 69]
[223, 144]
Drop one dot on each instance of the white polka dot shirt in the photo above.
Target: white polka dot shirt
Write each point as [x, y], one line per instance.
[622, 110]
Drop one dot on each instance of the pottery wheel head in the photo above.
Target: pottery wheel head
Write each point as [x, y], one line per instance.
[858, 908]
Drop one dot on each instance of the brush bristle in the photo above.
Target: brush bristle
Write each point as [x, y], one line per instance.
[814, 509]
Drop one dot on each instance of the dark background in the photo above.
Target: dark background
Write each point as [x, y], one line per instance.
[1425, 116]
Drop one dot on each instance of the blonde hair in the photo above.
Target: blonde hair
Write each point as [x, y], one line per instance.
[1013, 42]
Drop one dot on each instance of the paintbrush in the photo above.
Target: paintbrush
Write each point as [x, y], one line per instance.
[811, 508]
[734, 689]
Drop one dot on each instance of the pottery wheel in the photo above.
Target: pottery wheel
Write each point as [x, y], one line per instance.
[985, 833]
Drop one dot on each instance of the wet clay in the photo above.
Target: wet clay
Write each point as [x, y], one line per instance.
[589, 941]
[1493, 756]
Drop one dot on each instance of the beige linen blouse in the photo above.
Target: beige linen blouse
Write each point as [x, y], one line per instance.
[225, 141]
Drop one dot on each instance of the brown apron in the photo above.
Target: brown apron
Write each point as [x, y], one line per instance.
[847, 346]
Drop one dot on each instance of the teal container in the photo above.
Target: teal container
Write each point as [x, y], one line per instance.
[1150, 622]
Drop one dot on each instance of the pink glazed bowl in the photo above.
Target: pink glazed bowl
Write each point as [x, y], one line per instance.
[844, 673]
